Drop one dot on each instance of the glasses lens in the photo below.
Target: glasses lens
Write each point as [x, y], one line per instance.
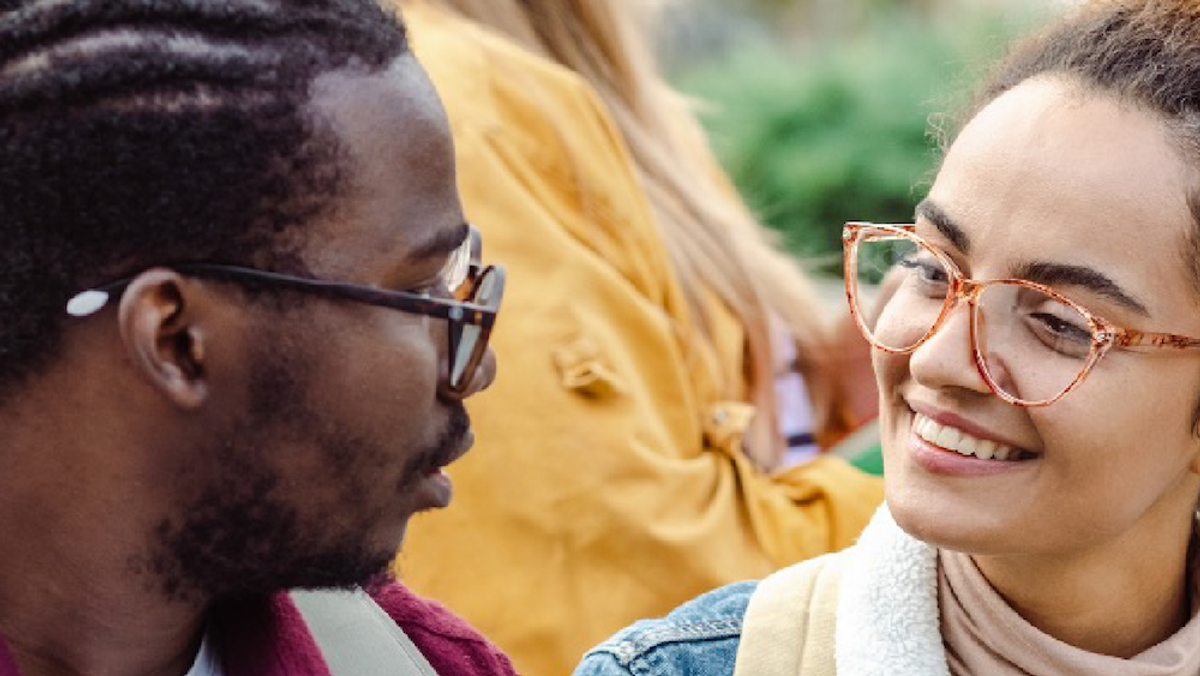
[1034, 346]
[486, 292]
[454, 274]
[921, 282]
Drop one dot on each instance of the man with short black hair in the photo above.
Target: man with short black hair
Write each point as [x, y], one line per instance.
[241, 309]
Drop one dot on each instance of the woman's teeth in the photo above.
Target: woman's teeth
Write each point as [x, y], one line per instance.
[954, 439]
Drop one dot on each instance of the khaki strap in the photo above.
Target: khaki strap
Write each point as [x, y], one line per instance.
[790, 622]
[356, 637]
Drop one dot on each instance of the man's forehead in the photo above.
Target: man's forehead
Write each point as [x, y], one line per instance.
[400, 201]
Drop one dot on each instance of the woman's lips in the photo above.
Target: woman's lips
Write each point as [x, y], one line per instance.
[947, 444]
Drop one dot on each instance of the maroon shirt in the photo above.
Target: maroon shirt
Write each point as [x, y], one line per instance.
[269, 638]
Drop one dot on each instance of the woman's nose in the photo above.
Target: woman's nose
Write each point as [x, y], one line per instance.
[946, 359]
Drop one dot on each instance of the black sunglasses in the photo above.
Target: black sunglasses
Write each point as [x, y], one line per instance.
[471, 313]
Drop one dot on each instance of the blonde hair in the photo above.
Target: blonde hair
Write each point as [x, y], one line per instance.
[711, 237]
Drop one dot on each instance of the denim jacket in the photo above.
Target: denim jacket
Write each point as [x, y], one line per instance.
[699, 638]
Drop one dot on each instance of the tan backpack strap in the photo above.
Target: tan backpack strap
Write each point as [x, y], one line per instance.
[356, 636]
[790, 622]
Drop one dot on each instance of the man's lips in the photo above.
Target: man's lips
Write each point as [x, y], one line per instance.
[465, 442]
[433, 488]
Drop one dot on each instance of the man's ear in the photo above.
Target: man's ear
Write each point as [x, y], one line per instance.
[160, 322]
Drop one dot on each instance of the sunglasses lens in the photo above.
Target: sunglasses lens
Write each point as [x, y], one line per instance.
[456, 271]
[486, 292]
[463, 356]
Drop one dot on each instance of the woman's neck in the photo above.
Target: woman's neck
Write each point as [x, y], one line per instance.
[1094, 603]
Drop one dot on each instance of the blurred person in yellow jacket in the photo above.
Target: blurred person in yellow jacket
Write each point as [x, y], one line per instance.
[634, 452]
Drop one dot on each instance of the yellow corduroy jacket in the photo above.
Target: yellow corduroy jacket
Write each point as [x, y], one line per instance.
[607, 481]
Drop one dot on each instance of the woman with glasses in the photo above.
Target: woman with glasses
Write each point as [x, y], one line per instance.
[1040, 394]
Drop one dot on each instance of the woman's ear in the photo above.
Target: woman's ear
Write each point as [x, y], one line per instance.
[161, 321]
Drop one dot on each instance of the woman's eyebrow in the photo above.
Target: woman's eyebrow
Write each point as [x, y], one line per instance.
[1052, 274]
[931, 212]
[1042, 272]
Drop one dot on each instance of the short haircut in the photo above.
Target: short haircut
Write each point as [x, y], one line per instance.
[144, 132]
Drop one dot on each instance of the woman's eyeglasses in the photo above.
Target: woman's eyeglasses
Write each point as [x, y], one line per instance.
[1031, 344]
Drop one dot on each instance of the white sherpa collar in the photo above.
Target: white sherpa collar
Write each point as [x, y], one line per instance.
[888, 622]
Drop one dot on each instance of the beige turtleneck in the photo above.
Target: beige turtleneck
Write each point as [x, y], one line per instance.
[985, 636]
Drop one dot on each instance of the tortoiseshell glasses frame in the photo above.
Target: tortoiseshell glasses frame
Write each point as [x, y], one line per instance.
[1105, 335]
[471, 310]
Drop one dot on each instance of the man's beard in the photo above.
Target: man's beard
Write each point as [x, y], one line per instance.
[243, 535]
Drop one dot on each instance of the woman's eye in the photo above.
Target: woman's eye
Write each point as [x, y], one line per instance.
[1063, 328]
[1052, 324]
[928, 274]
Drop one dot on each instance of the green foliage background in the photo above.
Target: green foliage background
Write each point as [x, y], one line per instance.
[841, 128]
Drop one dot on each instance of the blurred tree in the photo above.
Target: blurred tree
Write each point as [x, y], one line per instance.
[800, 21]
[836, 128]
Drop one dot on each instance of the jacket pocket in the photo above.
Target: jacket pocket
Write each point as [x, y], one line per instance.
[582, 369]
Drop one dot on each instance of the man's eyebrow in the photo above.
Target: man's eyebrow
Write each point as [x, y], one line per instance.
[442, 243]
[1052, 274]
[945, 225]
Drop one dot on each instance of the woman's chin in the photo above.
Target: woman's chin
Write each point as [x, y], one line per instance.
[953, 527]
